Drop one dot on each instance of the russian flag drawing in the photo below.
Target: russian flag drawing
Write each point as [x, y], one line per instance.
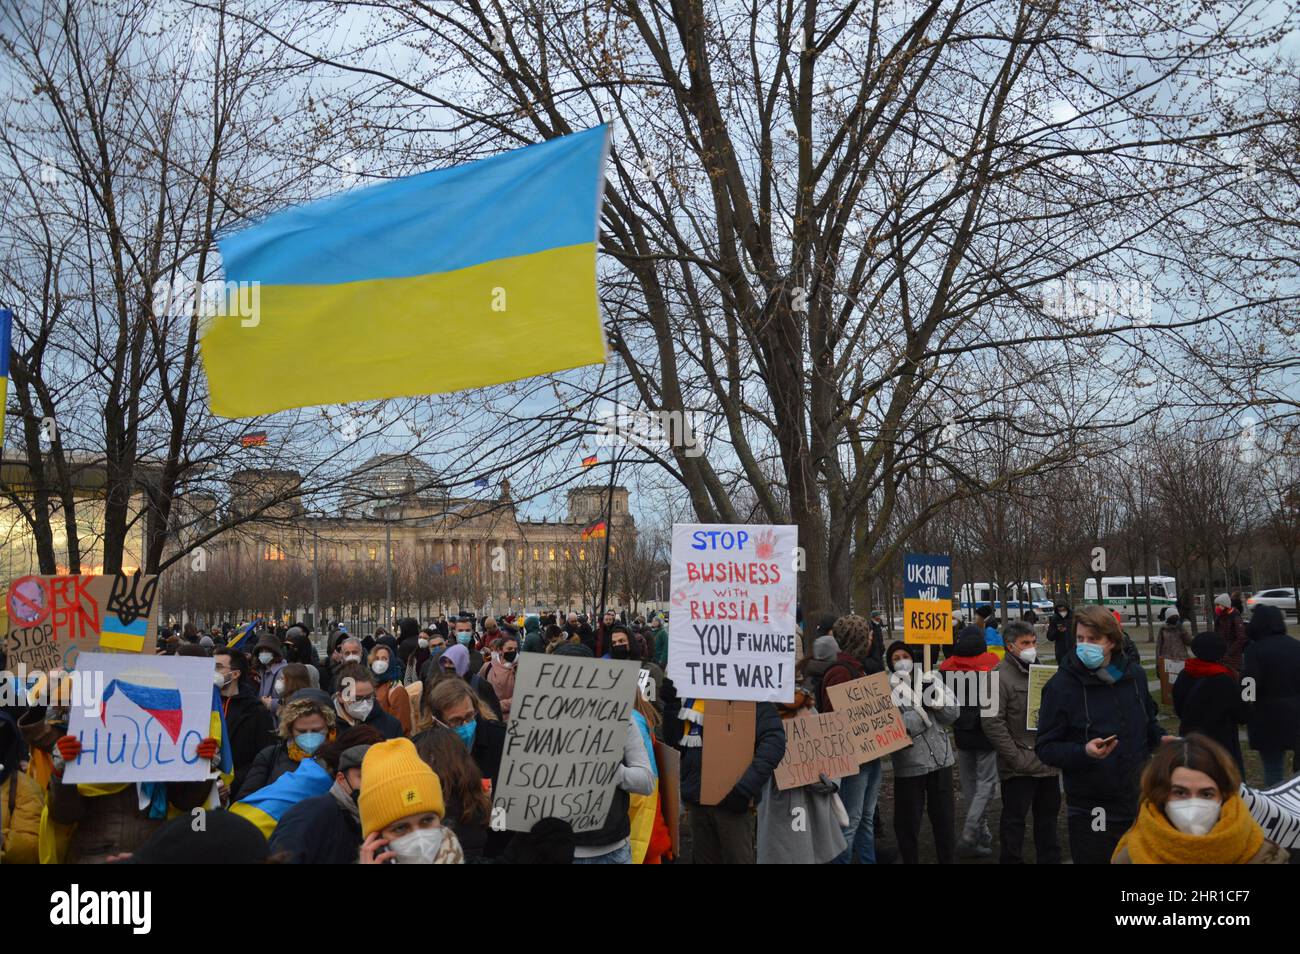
[160, 701]
[489, 266]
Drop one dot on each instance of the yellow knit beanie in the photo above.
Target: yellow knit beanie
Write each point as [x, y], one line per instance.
[396, 782]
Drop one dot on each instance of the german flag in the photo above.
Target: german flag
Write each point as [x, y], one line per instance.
[257, 439]
[597, 529]
[589, 461]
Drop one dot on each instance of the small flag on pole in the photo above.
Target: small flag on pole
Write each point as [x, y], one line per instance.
[589, 461]
[481, 483]
[597, 529]
[257, 439]
[6, 336]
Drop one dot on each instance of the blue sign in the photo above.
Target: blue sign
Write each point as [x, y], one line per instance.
[927, 576]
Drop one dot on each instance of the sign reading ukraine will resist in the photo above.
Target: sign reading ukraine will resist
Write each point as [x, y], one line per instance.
[569, 722]
[147, 724]
[732, 631]
[927, 599]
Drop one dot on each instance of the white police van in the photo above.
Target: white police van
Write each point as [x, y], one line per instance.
[1128, 595]
[1020, 597]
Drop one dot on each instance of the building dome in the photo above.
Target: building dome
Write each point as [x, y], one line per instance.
[386, 478]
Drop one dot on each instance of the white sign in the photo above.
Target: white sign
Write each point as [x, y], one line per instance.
[1277, 811]
[732, 630]
[147, 724]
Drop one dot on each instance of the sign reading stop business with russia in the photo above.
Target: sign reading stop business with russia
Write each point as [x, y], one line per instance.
[927, 599]
[732, 630]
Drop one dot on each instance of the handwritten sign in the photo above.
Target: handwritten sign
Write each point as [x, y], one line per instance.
[1038, 678]
[927, 599]
[1277, 811]
[568, 725]
[147, 724]
[875, 723]
[818, 744]
[733, 596]
[52, 619]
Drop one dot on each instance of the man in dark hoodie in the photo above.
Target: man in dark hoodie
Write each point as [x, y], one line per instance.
[1208, 698]
[1060, 631]
[967, 672]
[1097, 724]
[249, 722]
[1272, 663]
[722, 833]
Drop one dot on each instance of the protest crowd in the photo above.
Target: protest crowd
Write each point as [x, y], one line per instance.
[389, 748]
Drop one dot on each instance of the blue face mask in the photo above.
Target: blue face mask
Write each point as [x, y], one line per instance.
[1090, 654]
[466, 732]
[309, 742]
[464, 638]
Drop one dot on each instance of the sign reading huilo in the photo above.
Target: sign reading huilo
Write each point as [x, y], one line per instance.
[927, 599]
[732, 630]
[54, 618]
[568, 725]
[151, 716]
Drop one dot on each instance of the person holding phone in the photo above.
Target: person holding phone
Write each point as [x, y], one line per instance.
[401, 808]
[1097, 724]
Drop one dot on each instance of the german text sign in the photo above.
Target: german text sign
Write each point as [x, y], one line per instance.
[733, 596]
[927, 599]
[569, 721]
[875, 723]
[149, 721]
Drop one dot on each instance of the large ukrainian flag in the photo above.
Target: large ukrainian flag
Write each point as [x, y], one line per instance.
[452, 279]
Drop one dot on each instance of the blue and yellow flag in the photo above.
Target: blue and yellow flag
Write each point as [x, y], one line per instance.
[266, 806]
[241, 640]
[452, 279]
[6, 336]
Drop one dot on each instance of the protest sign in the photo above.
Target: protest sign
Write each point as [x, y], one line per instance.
[927, 599]
[729, 732]
[568, 725]
[54, 618]
[875, 723]
[815, 745]
[1039, 676]
[669, 762]
[733, 597]
[1173, 667]
[1278, 812]
[147, 725]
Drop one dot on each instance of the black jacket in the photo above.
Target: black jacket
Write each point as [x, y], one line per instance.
[251, 727]
[270, 763]
[769, 749]
[317, 831]
[1211, 705]
[1060, 632]
[1273, 662]
[489, 745]
[1079, 705]
[387, 725]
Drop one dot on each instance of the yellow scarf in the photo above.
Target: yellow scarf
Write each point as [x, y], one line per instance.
[1153, 840]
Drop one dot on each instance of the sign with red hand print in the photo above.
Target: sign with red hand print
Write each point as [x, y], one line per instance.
[732, 630]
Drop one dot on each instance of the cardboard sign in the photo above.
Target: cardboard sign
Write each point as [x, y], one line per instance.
[568, 725]
[1278, 812]
[149, 721]
[729, 732]
[669, 762]
[927, 599]
[1172, 668]
[875, 723]
[733, 596]
[53, 619]
[1039, 676]
[818, 744]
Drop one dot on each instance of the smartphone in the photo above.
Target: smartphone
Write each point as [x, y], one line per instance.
[1109, 739]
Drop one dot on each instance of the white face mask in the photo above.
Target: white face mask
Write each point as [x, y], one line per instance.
[220, 679]
[903, 665]
[379, 666]
[265, 658]
[352, 657]
[419, 847]
[360, 709]
[1029, 655]
[424, 643]
[1062, 613]
[279, 687]
[1193, 816]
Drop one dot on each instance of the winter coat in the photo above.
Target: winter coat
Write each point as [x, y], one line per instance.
[661, 647]
[396, 701]
[1060, 633]
[817, 840]
[251, 728]
[1273, 661]
[1208, 700]
[824, 673]
[974, 661]
[1007, 730]
[1080, 704]
[1229, 625]
[769, 749]
[318, 831]
[636, 775]
[502, 680]
[21, 801]
[270, 763]
[926, 725]
[387, 725]
[1172, 643]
